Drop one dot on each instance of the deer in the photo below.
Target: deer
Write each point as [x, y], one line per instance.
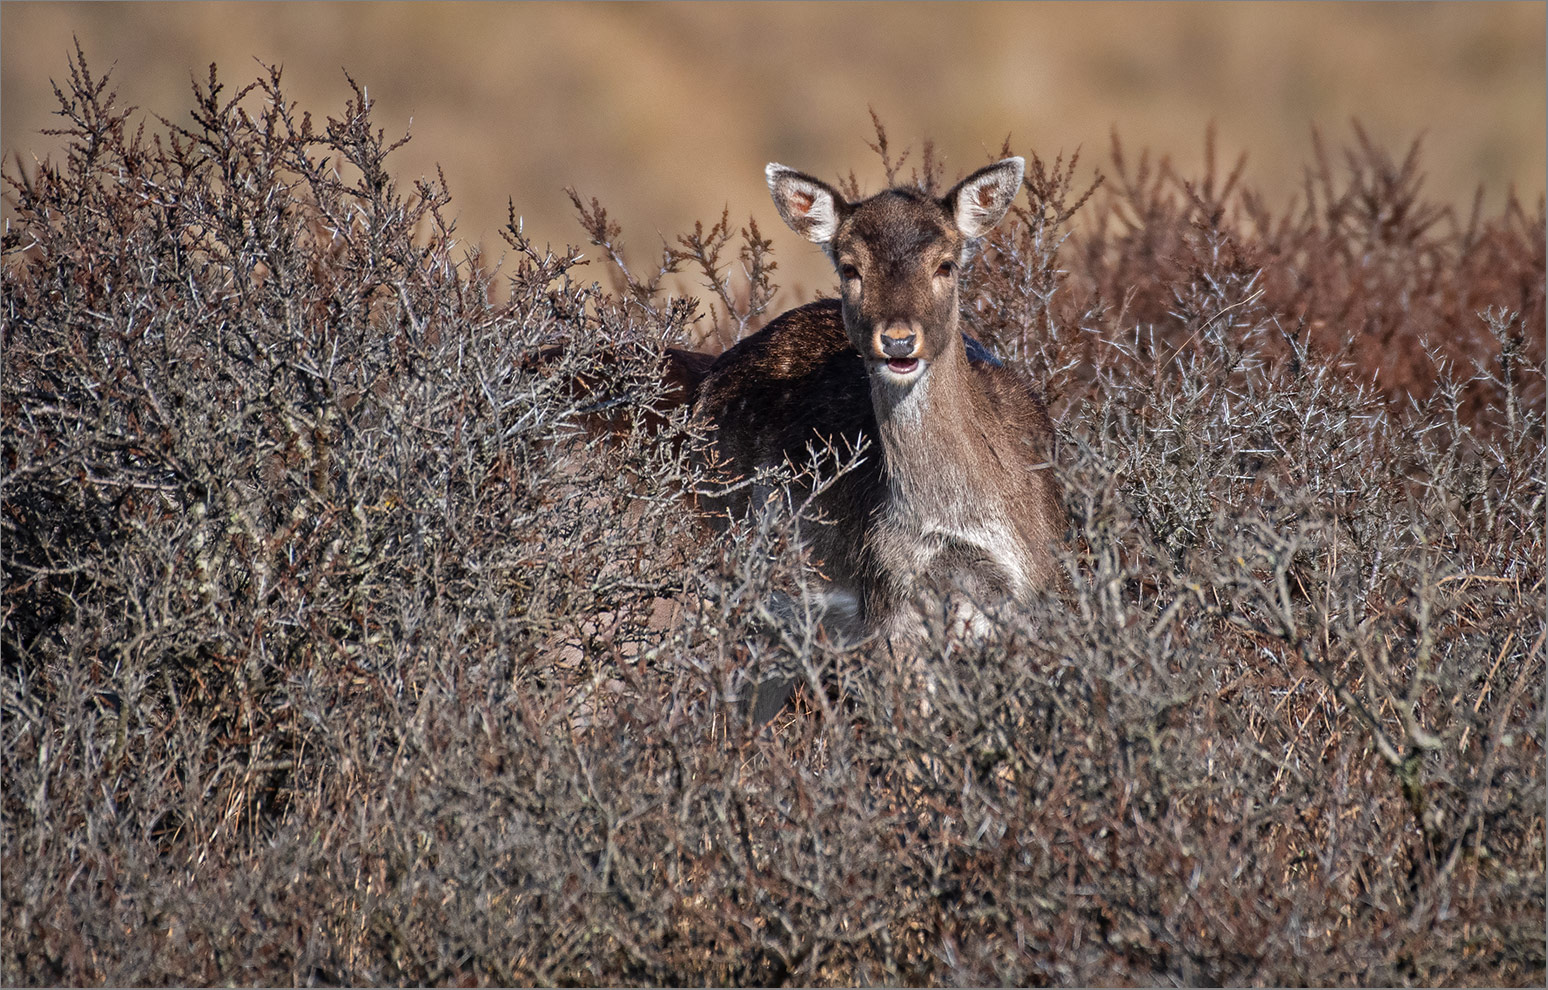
[954, 489]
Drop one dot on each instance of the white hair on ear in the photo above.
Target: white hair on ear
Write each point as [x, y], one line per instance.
[809, 206]
[979, 202]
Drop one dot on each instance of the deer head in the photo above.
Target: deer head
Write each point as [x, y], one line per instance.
[898, 256]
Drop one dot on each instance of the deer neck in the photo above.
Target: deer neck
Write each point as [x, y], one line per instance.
[934, 450]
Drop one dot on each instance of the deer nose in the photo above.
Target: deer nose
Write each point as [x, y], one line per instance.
[897, 346]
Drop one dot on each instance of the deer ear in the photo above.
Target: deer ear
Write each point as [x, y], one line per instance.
[808, 205]
[979, 202]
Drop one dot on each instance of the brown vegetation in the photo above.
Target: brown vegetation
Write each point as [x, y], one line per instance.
[333, 649]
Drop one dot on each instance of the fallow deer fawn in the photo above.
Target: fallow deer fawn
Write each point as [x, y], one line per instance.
[955, 492]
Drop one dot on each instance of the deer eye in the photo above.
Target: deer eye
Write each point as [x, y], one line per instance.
[849, 273]
[947, 267]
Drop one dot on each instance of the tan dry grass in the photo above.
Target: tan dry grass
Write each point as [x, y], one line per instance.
[669, 112]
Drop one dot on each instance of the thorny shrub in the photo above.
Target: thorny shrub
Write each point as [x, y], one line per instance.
[337, 649]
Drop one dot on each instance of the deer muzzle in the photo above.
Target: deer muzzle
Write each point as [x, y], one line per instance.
[899, 346]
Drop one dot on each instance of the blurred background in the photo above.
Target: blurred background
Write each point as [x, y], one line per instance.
[667, 112]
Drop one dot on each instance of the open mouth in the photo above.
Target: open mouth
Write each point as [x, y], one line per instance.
[902, 366]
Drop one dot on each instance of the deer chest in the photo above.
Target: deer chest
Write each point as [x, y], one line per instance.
[977, 551]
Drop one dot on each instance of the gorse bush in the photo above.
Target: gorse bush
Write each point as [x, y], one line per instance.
[356, 629]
